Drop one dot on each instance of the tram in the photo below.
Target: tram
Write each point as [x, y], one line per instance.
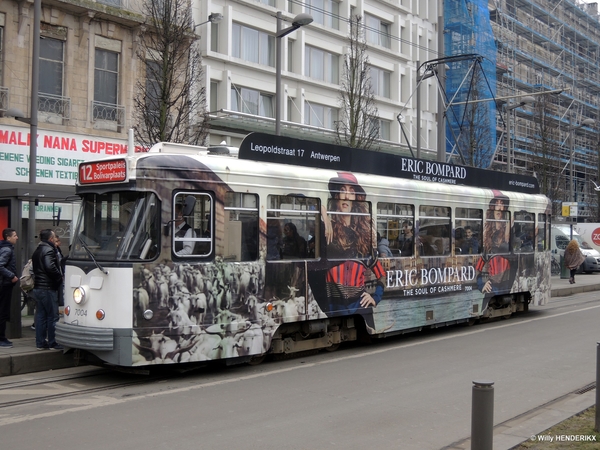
[187, 254]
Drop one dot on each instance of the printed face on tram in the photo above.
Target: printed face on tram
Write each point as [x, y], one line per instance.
[499, 209]
[345, 197]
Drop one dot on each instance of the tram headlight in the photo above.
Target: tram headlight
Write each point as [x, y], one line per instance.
[79, 295]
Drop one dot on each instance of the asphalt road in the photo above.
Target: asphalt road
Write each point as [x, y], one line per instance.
[411, 392]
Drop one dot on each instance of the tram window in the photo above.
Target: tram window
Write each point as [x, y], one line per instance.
[293, 227]
[434, 231]
[496, 229]
[241, 227]
[391, 218]
[523, 232]
[192, 224]
[542, 242]
[117, 226]
[468, 231]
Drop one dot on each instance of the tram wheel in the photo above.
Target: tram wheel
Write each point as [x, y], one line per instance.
[332, 347]
[256, 360]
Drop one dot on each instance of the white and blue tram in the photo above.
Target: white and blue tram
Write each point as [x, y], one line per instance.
[185, 255]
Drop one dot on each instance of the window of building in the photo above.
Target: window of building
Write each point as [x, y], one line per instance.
[395, 223]
[324, 12]
[106, 83]
[253, 102]
[377, 32]
[52, 68]
[434, 231]
[293, 227]
[523, 240]
[380, 81]
[384, 129]
[241, 227]
[253, 45]
[468, 231]
[268, 2]
[214, 37]
[153, 90]
[3, 90]
[214, 92]
[321, 65]
[320, 115]
[193, 224]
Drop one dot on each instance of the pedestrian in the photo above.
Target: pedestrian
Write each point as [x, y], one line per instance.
[573, 258]
[8, 270]
[48, 278]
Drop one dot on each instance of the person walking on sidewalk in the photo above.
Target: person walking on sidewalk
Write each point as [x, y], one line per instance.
[48, 278]
[573, 258]
[8, 271]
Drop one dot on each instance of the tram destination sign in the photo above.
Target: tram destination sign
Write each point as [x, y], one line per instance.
[103, 171]
[284, 150]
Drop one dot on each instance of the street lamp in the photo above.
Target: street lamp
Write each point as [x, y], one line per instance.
[212, 18]
[299, 21]
[32, 121]
[527, 100]
[572, 129]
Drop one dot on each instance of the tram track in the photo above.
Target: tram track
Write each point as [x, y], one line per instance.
[62, 393]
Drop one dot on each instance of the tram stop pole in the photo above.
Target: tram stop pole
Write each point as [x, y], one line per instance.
[482, 415]
[597, 422]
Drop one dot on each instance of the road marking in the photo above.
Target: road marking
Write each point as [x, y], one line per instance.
[102, 401]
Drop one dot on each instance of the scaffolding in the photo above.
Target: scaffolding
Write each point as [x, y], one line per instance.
[546, 45]
[471, 126]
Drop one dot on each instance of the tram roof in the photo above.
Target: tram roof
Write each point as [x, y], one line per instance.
[266, 148]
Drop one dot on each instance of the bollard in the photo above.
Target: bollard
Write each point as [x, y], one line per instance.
[482, 415]
[597, 423]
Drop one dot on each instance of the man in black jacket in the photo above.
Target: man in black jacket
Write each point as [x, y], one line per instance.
[48, 277]
[8, 273]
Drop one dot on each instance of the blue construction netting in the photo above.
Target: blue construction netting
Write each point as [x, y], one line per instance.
[468, 31]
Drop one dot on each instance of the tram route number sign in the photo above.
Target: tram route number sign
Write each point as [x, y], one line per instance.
[103, 171]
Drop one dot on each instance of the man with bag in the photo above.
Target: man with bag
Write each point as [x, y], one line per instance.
[8, 271]
[48, 278]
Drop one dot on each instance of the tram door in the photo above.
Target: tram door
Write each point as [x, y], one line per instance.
[294, 238]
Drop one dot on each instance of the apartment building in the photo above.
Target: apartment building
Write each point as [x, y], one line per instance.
[239, 54]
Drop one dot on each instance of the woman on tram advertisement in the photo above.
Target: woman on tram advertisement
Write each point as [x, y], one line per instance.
[496, 274]
[353, 240]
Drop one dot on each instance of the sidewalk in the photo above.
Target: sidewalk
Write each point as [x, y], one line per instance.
[25, 358]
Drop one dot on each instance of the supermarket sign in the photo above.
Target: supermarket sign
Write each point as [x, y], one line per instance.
[58, 154]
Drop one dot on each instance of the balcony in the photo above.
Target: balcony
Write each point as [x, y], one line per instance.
[108, 114]
[53, 108]
[115, 3]
[3, 98]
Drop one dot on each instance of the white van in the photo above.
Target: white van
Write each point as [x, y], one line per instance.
[561, 235]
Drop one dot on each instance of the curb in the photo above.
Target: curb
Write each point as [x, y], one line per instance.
[34, 361]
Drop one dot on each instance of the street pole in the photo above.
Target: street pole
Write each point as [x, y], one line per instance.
[571, 150]
[418, 110]
[33, 125]
[278, 99]
[441, 107]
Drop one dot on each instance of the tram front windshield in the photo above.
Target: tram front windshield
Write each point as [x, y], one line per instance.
[117, 226]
